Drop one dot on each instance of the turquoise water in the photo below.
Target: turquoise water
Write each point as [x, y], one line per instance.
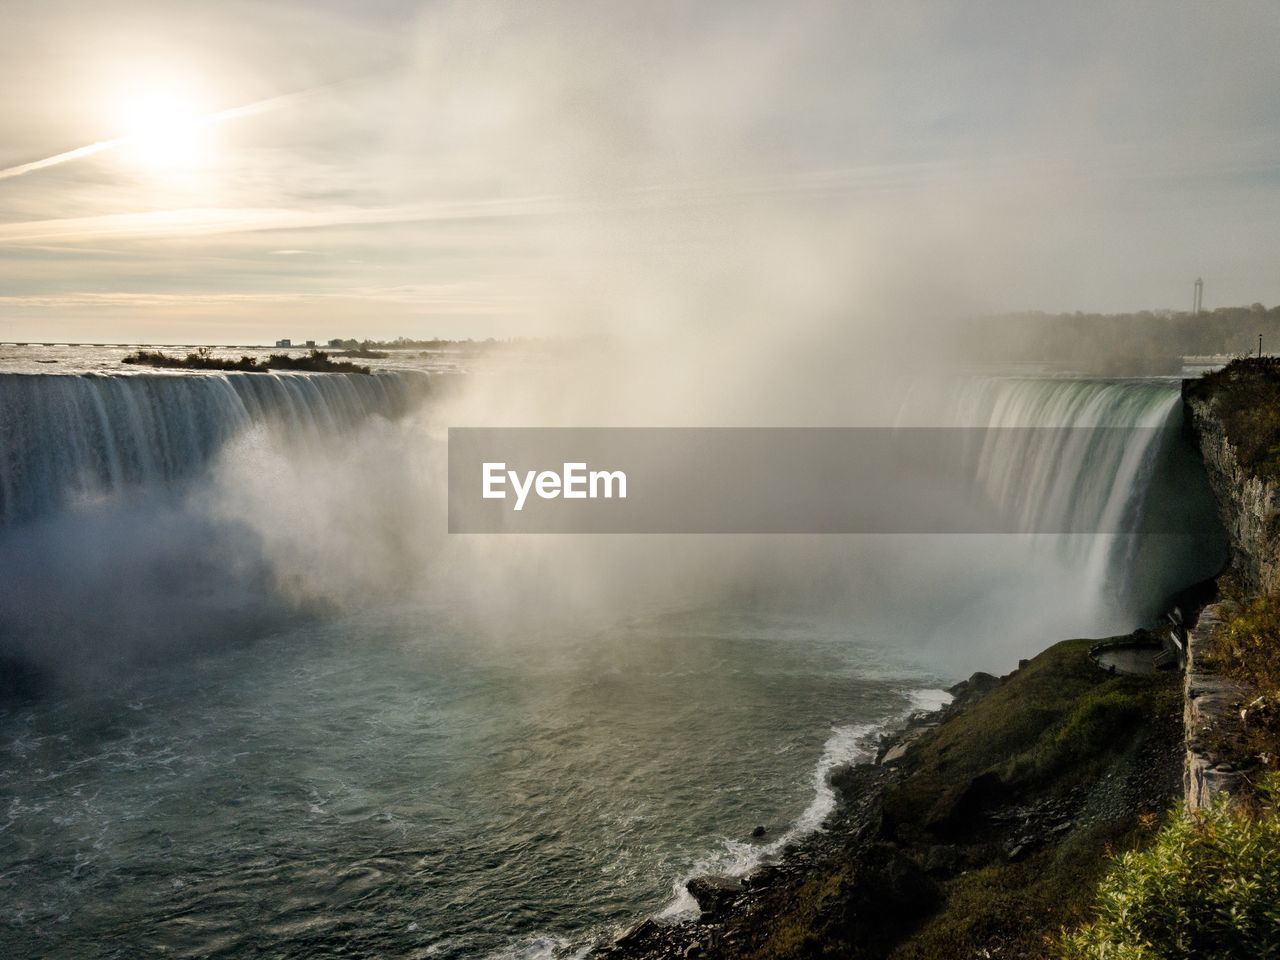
[393, 784]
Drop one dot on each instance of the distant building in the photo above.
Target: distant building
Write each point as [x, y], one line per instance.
[311, 343]
[336, 342]
[284, 343]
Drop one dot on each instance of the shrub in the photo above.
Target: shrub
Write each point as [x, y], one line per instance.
[1208, 888]
[1246, 649]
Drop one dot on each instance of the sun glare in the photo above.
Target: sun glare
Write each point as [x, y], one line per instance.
[164, 131]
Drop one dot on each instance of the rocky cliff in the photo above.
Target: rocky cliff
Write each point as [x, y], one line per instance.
[1225, 414]
[1209, 704]
[1248, 505]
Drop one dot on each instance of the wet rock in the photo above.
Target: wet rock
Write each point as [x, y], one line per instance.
[759, 832]
[899, 748]
[645, 932]
[715, 893]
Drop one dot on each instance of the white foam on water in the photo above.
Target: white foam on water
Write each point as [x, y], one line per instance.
[930, 700]
[541, 947]
[846, 745]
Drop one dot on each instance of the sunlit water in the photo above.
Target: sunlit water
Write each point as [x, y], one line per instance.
[390, 786]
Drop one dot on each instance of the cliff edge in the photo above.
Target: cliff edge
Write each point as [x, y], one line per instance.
[1234, 417]
[1232, 680]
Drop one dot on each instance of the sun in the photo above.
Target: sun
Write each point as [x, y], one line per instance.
[163, 130]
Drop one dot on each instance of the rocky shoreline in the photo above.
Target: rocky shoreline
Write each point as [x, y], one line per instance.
[848, 831]
[726, 901]
[879, 874]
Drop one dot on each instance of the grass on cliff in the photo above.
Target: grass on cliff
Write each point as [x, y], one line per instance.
[317, 361]
[1054, 726]
[1207, 888]
[1058, 730]
[1059, 727]
[1246, 650]
[1245, 394]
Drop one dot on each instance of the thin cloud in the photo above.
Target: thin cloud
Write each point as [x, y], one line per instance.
[198, 221]
[207, 120]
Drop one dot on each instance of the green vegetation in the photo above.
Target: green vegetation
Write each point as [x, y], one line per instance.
[1246, 650]
[1060, 728]
[317, 361]
[1054, 726]
[1208, 888]
[999, 830]
[1245, 395]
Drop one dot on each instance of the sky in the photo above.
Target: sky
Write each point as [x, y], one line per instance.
[243, 171]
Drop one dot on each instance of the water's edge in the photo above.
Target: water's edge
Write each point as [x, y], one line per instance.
[713, 901]
[880, 877]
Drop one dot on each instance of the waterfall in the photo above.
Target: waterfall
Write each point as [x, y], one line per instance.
[131, 504]
[1089, 477]
[1121, 459]
[65, 439]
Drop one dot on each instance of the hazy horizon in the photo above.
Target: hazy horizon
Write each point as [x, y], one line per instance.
[247, 171]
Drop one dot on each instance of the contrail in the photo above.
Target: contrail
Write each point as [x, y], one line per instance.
[99, 147]
[208, 119]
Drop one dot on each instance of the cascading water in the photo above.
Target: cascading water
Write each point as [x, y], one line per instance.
[66, 438]
[460, 762]
[1093, 478]
[124, 526]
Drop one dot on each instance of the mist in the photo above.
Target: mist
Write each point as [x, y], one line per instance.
[734, 214]
[257, 699]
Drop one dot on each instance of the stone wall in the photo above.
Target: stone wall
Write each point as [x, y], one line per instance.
[1210, 702]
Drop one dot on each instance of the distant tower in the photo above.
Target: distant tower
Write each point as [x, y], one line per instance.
[1198, 303]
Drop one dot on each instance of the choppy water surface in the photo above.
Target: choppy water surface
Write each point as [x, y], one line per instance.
[392, 785]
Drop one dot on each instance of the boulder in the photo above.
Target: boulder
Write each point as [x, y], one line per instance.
[715, 893]
[976, 687]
